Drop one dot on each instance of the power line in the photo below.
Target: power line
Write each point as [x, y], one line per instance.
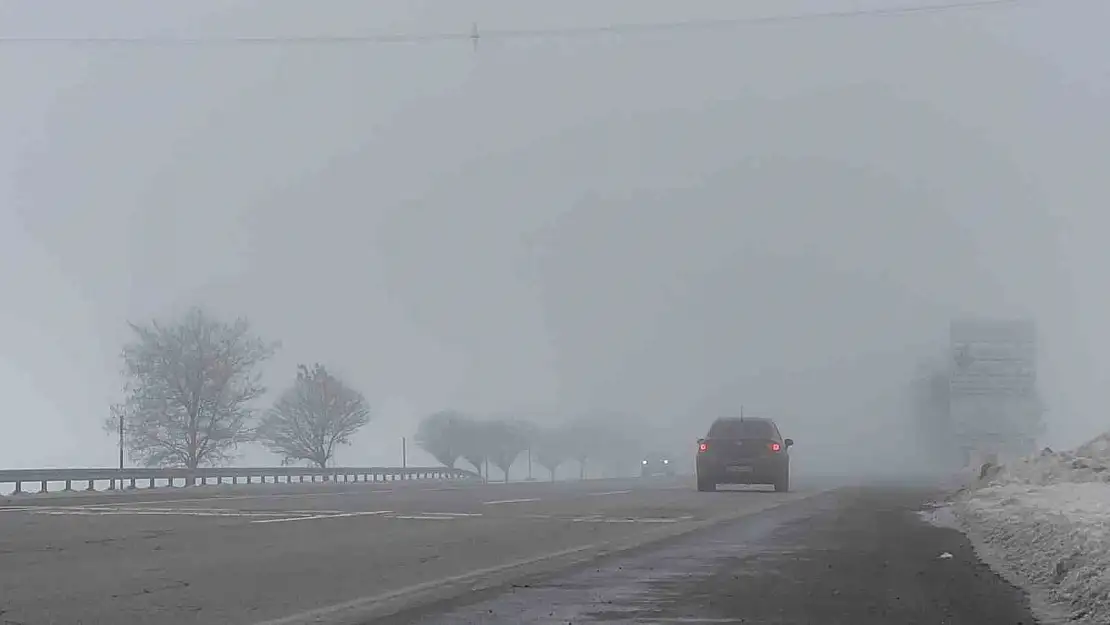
[475, 35]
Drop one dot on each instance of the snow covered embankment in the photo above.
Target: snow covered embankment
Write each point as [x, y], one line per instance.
[1045, 521]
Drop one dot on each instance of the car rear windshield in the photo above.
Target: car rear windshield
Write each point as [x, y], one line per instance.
[742, 429]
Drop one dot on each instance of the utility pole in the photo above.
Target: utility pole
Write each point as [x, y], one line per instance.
[404, 453]
[530, 464]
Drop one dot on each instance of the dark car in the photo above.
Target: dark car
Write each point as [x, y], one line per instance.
[744, 451]
[656, 464]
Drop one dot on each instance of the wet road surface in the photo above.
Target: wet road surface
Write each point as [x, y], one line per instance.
[859, 556]
[339, 553]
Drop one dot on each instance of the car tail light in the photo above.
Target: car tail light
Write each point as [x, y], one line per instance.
[703, 447]
[776, 447]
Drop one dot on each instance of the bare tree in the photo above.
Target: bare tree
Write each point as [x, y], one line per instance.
[507, 439]
[550, 450]
[313, 417]
[442, 434]
[585, 441]
[190, 386]
[475, 444]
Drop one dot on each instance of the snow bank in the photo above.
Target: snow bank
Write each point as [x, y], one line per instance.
[1045, 523]
[1088, 463]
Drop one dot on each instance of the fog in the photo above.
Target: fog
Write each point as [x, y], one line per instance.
[668, 224]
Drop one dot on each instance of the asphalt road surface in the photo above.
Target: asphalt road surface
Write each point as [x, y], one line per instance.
[597, 551]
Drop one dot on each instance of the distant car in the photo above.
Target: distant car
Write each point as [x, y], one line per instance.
[743, 451]
[656, 464]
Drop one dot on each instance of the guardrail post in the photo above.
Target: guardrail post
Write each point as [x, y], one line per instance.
[69, 486]
[18, 488]
[44, 487]
[131, 484]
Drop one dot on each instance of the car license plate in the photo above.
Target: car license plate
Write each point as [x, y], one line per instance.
[739, 469]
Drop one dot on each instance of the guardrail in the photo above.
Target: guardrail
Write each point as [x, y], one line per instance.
[127, 479]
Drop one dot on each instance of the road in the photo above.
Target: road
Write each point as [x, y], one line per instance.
[470, 553]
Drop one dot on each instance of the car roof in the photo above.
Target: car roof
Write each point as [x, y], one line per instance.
[738, 419]
[736, 427]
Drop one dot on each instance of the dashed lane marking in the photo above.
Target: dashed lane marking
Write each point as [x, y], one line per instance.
[501, 501]
[611, 492]
[322, 516]
[86, 511]
[696, 620]
[212, 499]
[454, 514]
[601, 519]
[287, 516]
[424, 517]
[260, 516]
[154, 502]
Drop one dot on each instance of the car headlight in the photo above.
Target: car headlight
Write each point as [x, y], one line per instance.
[666, 462]
[644, 462]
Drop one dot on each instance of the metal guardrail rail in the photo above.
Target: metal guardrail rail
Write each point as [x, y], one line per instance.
[131, 478]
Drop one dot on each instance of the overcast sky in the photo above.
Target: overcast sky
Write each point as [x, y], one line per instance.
[667, 223]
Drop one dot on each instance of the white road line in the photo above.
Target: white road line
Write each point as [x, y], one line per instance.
[114, 510]
[494, 503]
[244, 498]
[594, 519]
[422, 517]
[227, 514]
[347, 609]
[694, 619]
[611, 492]
[454, 514]
[322, 516]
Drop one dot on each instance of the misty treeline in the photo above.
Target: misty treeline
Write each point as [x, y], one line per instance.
[191, 395]
[193, 387]
[451, 436]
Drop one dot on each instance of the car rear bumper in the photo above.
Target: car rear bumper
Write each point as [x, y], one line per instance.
[748, 471]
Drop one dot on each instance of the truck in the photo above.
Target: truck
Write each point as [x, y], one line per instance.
[980, 403]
